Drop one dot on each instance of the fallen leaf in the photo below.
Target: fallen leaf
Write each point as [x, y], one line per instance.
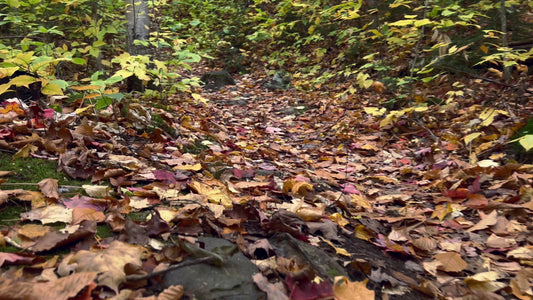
[338, 250]
[49, 188]
[450, 262]
[495, 241]
[344, 289]
[62, 288]
[109, 263]
[486, 221]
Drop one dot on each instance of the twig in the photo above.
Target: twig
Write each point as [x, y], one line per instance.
[171, 268]
[419, 123]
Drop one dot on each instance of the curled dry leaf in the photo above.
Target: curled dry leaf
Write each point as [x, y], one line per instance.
[49, 188]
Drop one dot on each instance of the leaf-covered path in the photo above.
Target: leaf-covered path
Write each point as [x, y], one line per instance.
[328, 197]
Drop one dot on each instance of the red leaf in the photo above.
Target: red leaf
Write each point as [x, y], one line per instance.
[309, 290]
[460, 193]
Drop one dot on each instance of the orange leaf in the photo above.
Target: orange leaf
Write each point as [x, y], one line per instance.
[344, 289]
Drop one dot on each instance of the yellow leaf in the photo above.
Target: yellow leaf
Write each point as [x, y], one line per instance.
[471, 137]
[374, 111]
[22, 80]
[25, 151]
[340, 251]
[363, 233]
[199, 97]
[52, 89]
[441, 211]
[213, 194]
[195, 167]
[527, 142]
[97, 191]
[339, 219]
[80, 111]
[4, 87]
[301, 188]
[85, 87]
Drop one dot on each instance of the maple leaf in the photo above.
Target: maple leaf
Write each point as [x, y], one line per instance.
[109, 263]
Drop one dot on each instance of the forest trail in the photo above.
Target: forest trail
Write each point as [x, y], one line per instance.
[302, 184]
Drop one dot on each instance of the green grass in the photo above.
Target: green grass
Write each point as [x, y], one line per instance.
[10, 212]
[32, 170]
[26, 173]
[104, 231]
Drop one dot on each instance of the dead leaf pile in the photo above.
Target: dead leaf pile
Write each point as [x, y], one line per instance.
[445, 199]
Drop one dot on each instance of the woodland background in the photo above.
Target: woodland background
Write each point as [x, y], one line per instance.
[396, 164]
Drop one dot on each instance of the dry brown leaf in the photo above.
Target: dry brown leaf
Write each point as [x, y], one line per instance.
[174, 292]
[275, 291]
[495, 241]
[80, 214]
[49, 188]
[250, 184]
[450, 262]
[425, 243]
[344, 289]
[60, 289]
[308, 213]
[50, 214]
[3, 197]
[486, 221]
[109, 263]
[33, 231]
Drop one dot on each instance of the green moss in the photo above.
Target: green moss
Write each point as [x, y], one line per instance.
[32, 170]
[139, 216]
[10, 213]
[9, 249]
[159, 122]
[104, 231]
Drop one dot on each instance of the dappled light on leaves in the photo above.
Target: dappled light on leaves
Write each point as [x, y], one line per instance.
[364, 174]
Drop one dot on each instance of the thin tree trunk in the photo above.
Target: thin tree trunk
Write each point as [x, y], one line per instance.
[505, 39]
[138, 27]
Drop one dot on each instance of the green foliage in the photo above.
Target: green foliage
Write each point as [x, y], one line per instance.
[323, 43]
[42, 37]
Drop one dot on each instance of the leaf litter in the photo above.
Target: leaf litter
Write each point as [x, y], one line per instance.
[328, 197]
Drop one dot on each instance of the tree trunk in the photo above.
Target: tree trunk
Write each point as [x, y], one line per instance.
[138, 28]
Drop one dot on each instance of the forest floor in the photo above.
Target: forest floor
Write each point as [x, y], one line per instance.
[248, 193]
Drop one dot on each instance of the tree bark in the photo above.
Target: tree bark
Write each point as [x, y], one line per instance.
[138, 26]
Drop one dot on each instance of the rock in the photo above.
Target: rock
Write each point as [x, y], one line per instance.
[280, 81]
[233, 280]
[217, 79]
[287, 246]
